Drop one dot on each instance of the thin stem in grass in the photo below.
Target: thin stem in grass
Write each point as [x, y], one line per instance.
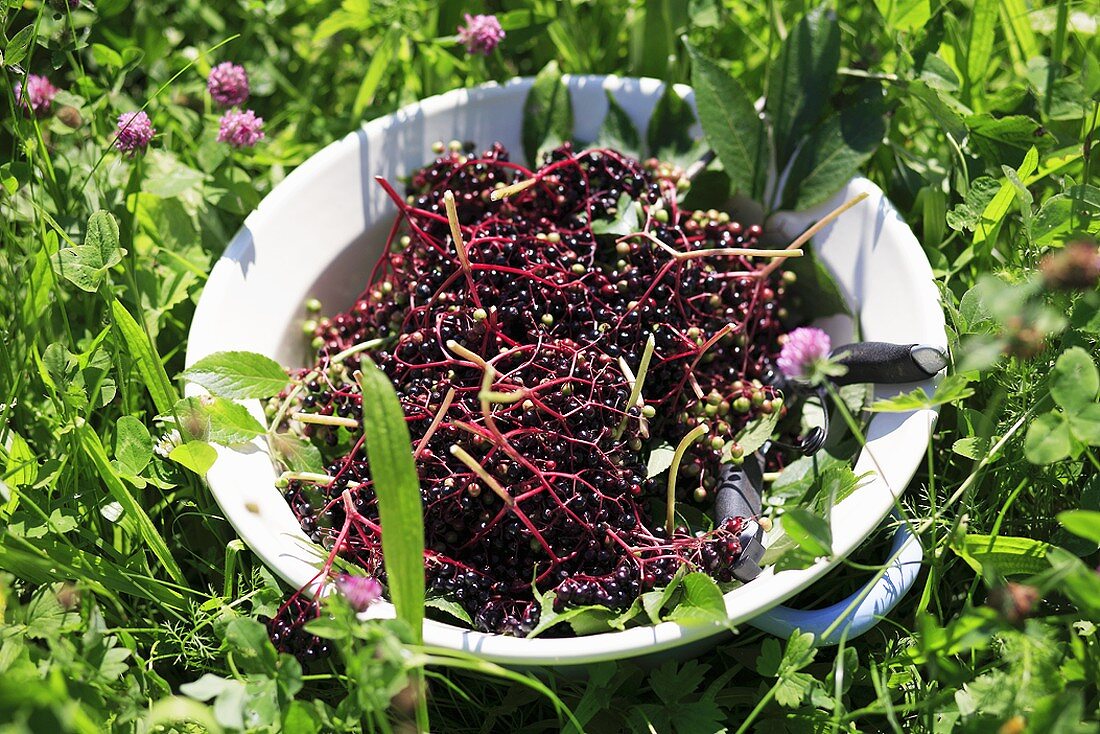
[637, 383]
[326, 420]
[439, 415]
[461, 454]
[817, 227]
[694, 435]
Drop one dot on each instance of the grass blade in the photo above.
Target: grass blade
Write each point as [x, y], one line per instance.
[397, 486]
[93, 447]
[145, 357]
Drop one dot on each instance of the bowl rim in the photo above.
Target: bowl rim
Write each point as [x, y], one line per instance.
[606, 645]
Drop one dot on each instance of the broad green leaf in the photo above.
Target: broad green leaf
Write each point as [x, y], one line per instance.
[550, 618]
[1085, 523]
[625, 222]
[85, 265]
[809, 531]
[452, 608]
[816, 286]
[238, 375]
[231, 423]
[800, 80]
[701, 601]
[145, 358]
[757, 432]
[296, 454]
[547, 114]
[799, 476]
[397, 486]
[1084, 424]
[93, 447]
[668, 135]
[618, 131]
[660, 459]
[1003, 554]
[905, 15]
[251, 646]
[835, 150]
[1075, 381]
[1006, 139]
[21, 467]
[732, 124]
[133, 445]
[16, 49]
[942, 107]
[1048, 439]
[951, 389]
[198, 456]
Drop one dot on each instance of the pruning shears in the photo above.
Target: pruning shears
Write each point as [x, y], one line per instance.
[740, 490]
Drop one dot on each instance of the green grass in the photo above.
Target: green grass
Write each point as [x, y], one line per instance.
[131, 620]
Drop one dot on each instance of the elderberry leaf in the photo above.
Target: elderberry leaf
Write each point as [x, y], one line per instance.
[815, 284]
[238, 375]
[617, 131]
[654, 601]
[296, 454]
[701, 600]
[755, 434]
[397, 487]
[951, 389]
[801, 78]
[811, 532]
[732, 125]
[625, 222]
[836, 149]
[660, 459]
[547, 113]
[549, 618]
[668, 135]
[452, 608]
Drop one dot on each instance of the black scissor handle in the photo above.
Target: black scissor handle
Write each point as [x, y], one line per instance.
[883, 362]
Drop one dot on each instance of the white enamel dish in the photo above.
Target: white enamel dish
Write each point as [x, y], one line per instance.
[319, 232]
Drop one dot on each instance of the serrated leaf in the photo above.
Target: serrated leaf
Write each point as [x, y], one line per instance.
[452, 608]
[617, 131]
[660, 459]
[231, 423]
[547, 113]
[732, 125]
[816, 285]
[296, 454]
[701, 600]
[198, 456]
[625, 222]
[800, 80]
[16, 49]
[1075, 381]
[133, 445]
[757, 432]
[238, 375]
[1048, 439]
[668, 135]
[809, 531]
[835, 150]
[550, 618]
[397, 487]
[951, 389]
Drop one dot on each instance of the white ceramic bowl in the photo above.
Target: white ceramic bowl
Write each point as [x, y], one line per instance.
[318, 233]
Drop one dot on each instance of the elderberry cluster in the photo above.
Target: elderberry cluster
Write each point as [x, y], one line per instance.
[538, 303]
